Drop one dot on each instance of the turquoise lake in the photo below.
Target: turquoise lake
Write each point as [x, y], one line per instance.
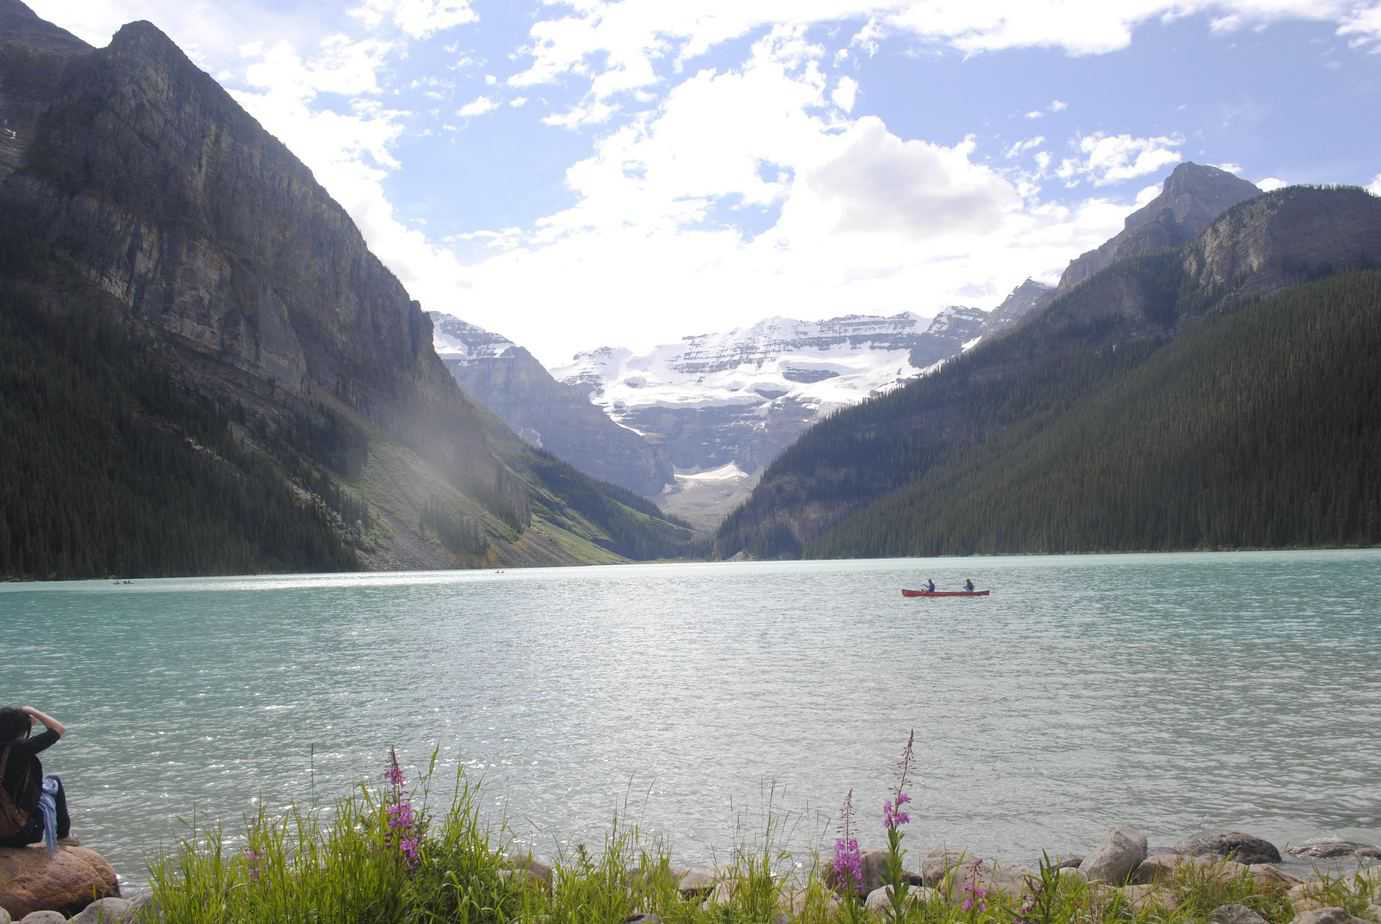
[1175, 693]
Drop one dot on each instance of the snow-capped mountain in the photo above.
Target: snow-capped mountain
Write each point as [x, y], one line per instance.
[740, 397]
[513, 385]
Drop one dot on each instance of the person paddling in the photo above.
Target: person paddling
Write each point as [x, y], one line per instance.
[33, 807]
[930, 585]
[968, 584]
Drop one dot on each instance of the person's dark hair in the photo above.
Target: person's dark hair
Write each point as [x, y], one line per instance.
[14, 724]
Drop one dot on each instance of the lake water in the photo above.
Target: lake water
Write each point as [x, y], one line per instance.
[1172, 692]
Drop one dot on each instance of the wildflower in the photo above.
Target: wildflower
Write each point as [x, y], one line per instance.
[252, 858]
[400, 815]
[892, 816]
[394, 773]
[847, 866]
[976, 895]
[408, 846]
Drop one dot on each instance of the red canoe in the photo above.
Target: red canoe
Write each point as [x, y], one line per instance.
[944, 593]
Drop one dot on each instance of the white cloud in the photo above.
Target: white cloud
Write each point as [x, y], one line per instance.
[1035, 114]
[1021, 147]
[1375, 186]
[477, 107]
[853, 217]
[1271, 183]
[869, 38]
[592, 113]
[416, 19]
[619, 43]
[1110, 159]
[1147, 194]
[490, 80]
[518, 102]
[1230, 168]
[845, 94]
[1058, 105]
[340, 66]
[1363, 28]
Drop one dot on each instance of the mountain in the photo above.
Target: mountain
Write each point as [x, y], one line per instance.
[723, 405]
[1190, 199]
[1029, 298]
[548, 414]
[863, 481]
[217, 375]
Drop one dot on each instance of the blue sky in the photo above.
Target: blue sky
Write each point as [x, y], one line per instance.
[575, 174]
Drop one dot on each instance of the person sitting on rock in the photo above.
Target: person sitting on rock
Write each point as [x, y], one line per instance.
[33, 807]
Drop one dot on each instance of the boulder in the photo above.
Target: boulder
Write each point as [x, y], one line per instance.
[874, 866]
[1327, 916]
[1072, 873]
[938, 862]
[694, 883]
[881, 899]
[1068, 860]
[1122, 852]
[1235, 914]
[791, 904]
[105, 911]
[1157, 868]
[1304, 897]
[1332, 848]
[5, 917]
[43, 917]
[1143, 898]
[1014, 880]
[1272, 878]
[1244, 848]
[67, 882]
[642, 919]
[537, 870]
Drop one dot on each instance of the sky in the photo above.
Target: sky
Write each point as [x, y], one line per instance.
[580, 173]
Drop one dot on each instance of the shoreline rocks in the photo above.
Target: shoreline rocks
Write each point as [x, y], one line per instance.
[65, 883]
[1244, 848]
[1123, 850]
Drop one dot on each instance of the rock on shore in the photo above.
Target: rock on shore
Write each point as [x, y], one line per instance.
[1244, 848]
[67, 882]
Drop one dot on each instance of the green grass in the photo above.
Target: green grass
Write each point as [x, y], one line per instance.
[300, 868]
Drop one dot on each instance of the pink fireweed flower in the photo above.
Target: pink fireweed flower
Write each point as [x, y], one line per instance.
[892, 816]
[847, 866]
[400, 815]
[408, 846]
[394, 773]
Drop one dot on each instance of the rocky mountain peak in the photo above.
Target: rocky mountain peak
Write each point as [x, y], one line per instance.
[1192, 196]
[1026, 299]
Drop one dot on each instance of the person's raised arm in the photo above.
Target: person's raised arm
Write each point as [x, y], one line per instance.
[48, 721]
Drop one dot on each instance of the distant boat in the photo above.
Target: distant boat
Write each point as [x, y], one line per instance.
[944, 593]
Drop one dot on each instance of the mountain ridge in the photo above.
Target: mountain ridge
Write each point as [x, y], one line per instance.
[1135, 306]
[142, 191]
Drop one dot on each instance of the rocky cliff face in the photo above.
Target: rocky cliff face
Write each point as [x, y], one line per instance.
[548, 414]
[1190, 199]
[154, 190]
[1027, 299]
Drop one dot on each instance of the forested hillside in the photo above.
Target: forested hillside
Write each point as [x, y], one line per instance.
[1257, 428]
[1005, 391]
[109, 466]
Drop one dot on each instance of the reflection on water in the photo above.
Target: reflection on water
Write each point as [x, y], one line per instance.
[1173, 692]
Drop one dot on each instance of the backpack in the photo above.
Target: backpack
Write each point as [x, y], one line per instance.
[14, 818]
